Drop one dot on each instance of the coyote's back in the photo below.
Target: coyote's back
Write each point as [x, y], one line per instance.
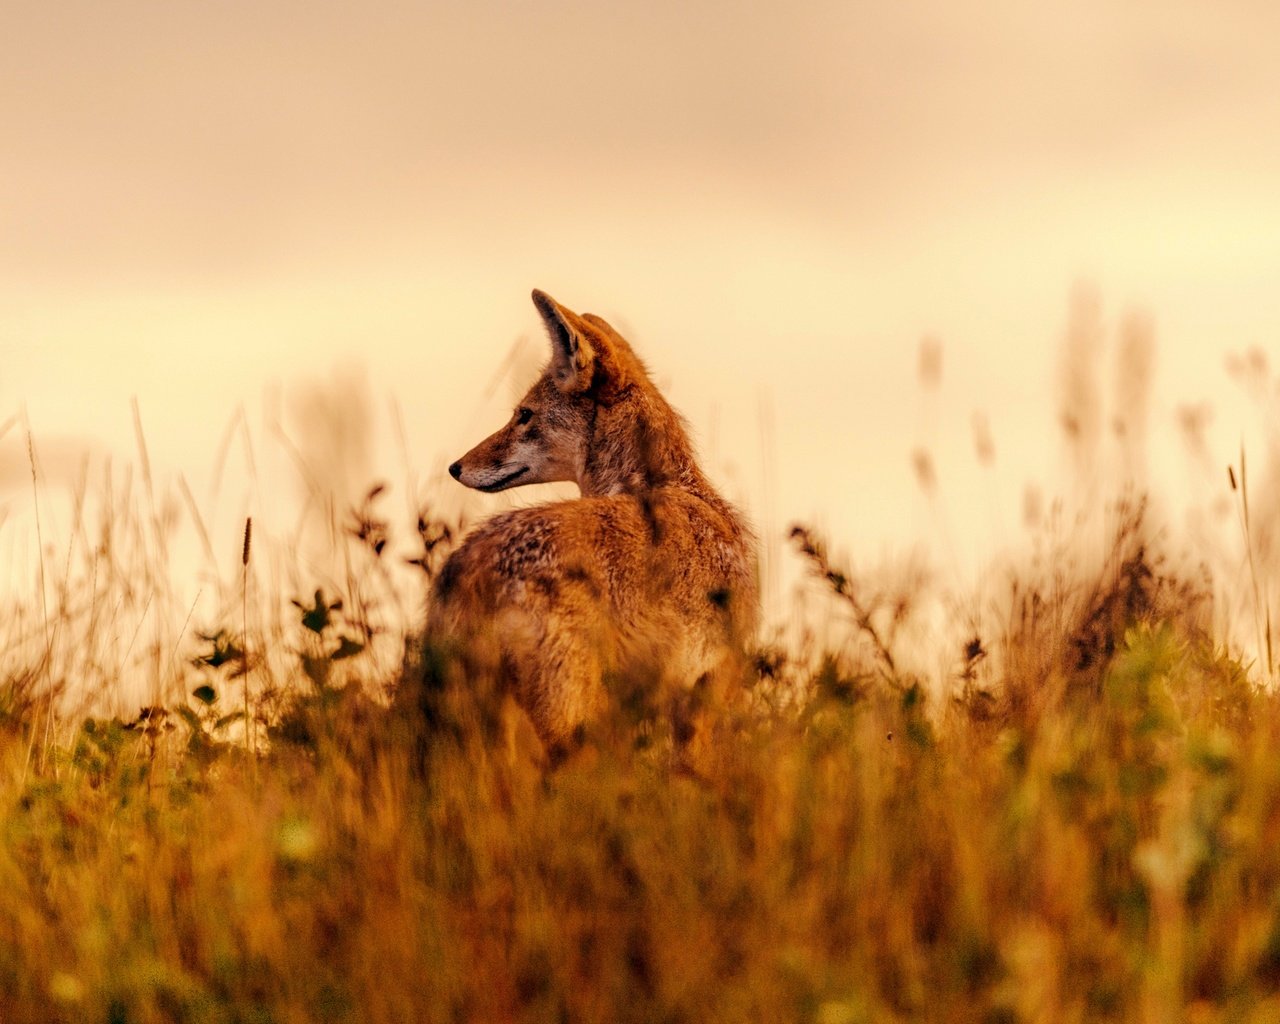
[650, 573]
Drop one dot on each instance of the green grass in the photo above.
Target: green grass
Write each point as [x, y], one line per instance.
[1081, 823]
[1075, 819]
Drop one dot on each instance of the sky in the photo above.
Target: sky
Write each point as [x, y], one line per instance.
[269, 214]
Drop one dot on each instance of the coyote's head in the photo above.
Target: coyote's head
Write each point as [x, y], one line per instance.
[592, 417]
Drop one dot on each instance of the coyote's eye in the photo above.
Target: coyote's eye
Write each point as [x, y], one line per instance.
[523, 416]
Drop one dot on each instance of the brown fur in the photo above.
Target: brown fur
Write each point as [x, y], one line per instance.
[649, 574]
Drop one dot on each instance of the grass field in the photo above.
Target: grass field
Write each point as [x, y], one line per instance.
[1080, 821]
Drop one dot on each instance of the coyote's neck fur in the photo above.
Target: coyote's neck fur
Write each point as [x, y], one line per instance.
[658, 452]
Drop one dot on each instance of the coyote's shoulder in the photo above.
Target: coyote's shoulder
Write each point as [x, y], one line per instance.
[649, 570]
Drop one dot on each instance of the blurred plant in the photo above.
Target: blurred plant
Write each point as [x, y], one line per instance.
[437, 538]
[864, 612]
[1261, 596]
[206, 723]
[328, 640]
[367, 528]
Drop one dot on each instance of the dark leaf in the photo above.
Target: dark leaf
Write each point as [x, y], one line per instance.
[317, 670]
[226, 720]
[347, 648]
[190, 717]
[316, 618]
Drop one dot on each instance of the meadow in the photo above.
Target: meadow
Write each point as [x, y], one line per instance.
[1075, 819]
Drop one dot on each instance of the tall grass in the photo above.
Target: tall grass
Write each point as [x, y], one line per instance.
[1084, 829]
[1074, 817]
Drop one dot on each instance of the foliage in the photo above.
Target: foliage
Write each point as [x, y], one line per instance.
[1054, 837]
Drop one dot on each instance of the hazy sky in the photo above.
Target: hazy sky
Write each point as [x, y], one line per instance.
[205, 204]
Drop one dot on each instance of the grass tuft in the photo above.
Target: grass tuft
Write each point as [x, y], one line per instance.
[1057, 800]
[1084, 829]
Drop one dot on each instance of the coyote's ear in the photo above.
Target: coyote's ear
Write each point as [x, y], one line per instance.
[571, 353]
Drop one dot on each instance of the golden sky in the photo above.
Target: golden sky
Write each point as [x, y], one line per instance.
[203, 205]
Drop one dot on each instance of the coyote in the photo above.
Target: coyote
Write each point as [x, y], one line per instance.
[650, 574]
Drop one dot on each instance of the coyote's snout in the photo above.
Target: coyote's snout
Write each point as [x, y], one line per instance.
[649, 573]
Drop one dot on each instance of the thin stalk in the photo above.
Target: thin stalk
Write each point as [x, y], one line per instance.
[244, 611]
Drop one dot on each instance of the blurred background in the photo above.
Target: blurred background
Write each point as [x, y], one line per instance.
[913, 271]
